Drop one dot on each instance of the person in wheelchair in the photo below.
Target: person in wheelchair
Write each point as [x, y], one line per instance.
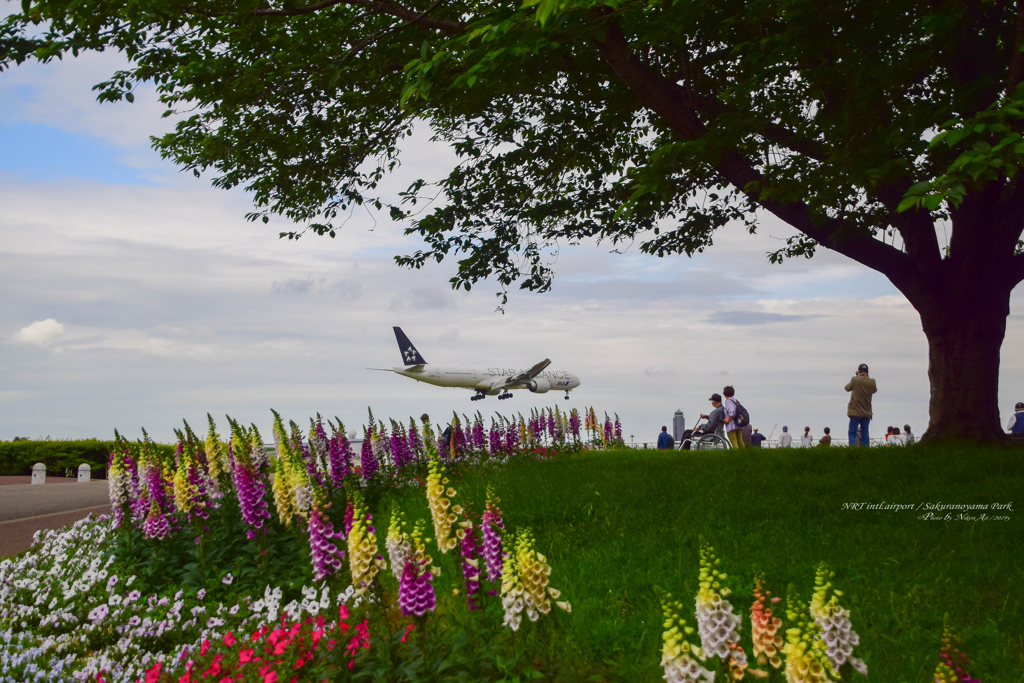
[715, 419]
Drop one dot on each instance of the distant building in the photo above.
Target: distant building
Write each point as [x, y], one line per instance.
[678, 425]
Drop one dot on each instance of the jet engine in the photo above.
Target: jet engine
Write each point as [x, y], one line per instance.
[539, 385]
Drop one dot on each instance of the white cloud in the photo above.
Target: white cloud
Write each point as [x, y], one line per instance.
[41, 333]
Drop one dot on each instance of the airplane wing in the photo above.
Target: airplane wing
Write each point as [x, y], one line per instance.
[524, 377]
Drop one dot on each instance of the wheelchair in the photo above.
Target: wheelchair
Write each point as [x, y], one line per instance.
[696, 440]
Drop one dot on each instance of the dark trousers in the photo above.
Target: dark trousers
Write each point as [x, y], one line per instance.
[862, 422]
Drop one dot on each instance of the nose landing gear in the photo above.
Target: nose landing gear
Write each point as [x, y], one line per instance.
[566, 395]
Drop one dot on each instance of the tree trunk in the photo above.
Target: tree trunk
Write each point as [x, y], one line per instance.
[965, 333]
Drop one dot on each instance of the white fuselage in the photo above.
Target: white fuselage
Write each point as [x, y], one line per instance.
[490, 380]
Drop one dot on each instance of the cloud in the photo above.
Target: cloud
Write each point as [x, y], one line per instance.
[753, 318]
[292, 287]
[41, 333]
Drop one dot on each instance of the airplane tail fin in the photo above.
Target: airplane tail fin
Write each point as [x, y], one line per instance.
[410, 356]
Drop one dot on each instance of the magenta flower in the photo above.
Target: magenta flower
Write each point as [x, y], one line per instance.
[325, 554]
[156, 524]
[479, 444]
[489, 527]
[368, 460]
[574, 423]
[494, 438]
[350, 512]
[340, 455]
[471, 565]
[415, 442]
[416, 592]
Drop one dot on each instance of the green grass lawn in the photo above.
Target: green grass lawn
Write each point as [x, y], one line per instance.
[616, 524]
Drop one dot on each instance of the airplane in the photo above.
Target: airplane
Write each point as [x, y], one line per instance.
[485, 382]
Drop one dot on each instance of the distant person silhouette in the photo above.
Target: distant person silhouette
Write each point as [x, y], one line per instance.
[909, 434]
[806, 441]
[1016, 423]
[665, 440]
[757, 438]
[785, 438]
[827, 439]
[861, 388]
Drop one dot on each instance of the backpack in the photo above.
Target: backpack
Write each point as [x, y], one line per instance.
[742, 416]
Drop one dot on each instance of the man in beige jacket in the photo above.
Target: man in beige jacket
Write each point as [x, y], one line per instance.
[859, 411]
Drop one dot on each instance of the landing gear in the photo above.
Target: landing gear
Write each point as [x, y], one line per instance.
[567, 396]
[507, 394]
[479, 396]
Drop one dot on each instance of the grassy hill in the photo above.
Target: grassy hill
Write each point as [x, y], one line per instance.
[616, 524]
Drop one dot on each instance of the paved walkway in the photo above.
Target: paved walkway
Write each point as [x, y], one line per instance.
[26, 508]
[15, 481]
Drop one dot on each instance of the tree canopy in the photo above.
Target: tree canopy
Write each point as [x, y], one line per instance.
[861, 124]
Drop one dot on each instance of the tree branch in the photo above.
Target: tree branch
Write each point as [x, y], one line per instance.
[668, 101]
[377, 6]
[308, 9]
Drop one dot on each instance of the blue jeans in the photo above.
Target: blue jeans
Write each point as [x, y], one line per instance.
[862, 422]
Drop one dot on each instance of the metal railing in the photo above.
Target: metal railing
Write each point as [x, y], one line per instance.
[770, 443]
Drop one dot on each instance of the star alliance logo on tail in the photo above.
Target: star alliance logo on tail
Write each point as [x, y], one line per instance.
[410, 356]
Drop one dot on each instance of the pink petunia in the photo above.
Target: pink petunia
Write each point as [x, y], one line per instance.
[229, 638]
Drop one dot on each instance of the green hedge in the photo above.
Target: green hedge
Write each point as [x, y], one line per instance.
[17, 457]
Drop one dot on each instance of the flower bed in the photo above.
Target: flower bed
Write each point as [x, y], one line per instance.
[208, 568]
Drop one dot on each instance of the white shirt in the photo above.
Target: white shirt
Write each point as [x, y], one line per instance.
[806, 440]
[785, 440]
[896, 440]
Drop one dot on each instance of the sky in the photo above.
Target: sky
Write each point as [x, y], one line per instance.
[134, 295]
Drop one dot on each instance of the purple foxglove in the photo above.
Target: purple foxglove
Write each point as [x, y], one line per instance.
[471, 565]
[367, 459]
[156, 524]
[416, 592]
[341, 456]
[325, 554]
[489, 527]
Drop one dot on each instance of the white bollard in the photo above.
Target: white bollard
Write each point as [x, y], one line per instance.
[84, 473]
[39, 473]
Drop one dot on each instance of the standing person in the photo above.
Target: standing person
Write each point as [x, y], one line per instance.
[757, 438]
[827, 439]
[861, 388]
[909, 435]
[1016, 423]
[806, 441]
[665, 440]
[733, 431]
[896, 438]
[785, 438]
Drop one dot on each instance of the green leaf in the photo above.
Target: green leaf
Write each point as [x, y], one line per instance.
[907, 203]
[932, 201]
[129, 96]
